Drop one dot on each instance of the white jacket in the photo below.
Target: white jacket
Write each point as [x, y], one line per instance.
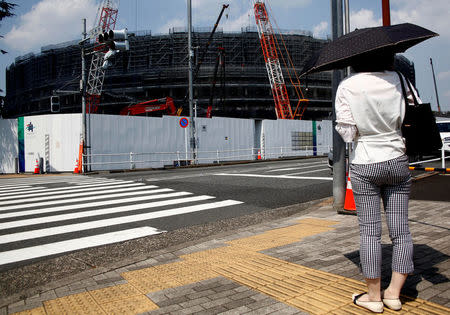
[369, 110]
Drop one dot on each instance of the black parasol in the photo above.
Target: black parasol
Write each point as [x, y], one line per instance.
[362, 43]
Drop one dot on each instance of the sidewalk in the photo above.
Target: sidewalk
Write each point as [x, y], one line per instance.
[304, 264]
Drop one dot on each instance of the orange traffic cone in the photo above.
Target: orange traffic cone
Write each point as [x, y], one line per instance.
[259, 154]
[349, 200]
[36, 168]
[76, 168]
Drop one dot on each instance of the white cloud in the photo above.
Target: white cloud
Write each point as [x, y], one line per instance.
[320, 30]
[363, 18]
[434, 16]
[444, 75]
[50, 22]
[172, 23]
[290, 3]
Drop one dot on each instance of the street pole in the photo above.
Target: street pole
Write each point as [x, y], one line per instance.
[83, 97]
[435, 86]
[386, 12]
[191, 92]
[339, 162]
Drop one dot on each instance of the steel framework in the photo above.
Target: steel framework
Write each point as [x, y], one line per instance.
[266, 37]
[107, 18]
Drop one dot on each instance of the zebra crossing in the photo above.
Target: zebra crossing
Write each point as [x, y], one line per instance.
[46, 216]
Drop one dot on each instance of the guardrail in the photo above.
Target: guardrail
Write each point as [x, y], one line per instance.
[137, 160]
[431, 169]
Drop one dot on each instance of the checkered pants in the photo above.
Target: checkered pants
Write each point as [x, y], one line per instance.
[389, 181]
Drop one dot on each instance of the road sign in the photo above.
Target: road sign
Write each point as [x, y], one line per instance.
[184, 122]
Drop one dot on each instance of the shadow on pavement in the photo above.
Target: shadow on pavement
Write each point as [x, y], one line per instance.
[425, 260]
[433, 188]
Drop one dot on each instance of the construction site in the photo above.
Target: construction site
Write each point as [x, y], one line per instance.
[231, 76]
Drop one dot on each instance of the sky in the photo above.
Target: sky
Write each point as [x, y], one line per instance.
[42, 22]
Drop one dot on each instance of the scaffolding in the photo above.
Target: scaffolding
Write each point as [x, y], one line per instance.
[156, 66]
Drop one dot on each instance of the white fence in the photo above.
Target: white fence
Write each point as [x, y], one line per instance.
[124, 142]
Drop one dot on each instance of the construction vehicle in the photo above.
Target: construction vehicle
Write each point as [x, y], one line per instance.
[162, 104]
[269, 47]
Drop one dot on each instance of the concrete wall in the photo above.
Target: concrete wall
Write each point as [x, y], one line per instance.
[8, 145]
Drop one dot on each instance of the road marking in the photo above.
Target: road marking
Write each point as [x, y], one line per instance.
[129, 192]
[15, 189]
[313, 171]
[75, 194]
[296, 168]
[54, 191]
[107, 211]
[113, 221]
[275, 176]
[92, 204]
[22, 254]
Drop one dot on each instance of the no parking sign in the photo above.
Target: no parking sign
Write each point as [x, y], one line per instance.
[184, 122]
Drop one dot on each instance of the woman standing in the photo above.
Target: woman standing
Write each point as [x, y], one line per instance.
[369, 110]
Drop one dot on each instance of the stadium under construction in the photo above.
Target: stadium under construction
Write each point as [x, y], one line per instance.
[156, 67]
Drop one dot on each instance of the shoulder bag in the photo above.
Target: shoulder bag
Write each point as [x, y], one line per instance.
[419, 125]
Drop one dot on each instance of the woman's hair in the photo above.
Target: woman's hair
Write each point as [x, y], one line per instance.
[374, 63]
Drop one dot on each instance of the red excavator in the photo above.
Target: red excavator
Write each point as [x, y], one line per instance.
[160, 104]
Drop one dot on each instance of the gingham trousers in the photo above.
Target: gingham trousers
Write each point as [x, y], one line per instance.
[389, 181]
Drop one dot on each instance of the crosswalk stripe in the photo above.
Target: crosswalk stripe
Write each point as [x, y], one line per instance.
[13, 186]
[17, 255]
[91, 213]
[80, 192]
[50, 191]
[93, 204]
[274, 176]
[21, 236]
[129, 192]
[21, 190]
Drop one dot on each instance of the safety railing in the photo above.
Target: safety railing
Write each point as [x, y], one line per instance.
[412, 166]
[141, 160]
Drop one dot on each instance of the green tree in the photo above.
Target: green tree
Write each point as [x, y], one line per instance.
[6, 9]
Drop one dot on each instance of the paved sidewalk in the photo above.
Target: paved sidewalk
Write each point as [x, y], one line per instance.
[304, 264]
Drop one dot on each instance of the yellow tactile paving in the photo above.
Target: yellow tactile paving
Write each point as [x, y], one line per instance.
[134, 305]
[114, 293]
[34, 311]
[81, 303]
[310, 290]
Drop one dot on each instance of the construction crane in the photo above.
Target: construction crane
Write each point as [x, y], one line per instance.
[161, 104]
[269, 47]
[106, 21]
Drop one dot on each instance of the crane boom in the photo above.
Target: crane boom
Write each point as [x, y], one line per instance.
[277, 84]
[106, 21]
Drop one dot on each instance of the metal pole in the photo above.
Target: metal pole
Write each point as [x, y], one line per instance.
[347, 26]
[83, 98]
[386, 13]
[435, 86]
[191, 92]
[339, 162]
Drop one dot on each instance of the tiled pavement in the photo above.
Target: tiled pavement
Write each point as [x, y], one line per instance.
[304, 264]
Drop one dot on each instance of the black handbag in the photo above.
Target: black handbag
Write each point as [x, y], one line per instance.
[419, 126]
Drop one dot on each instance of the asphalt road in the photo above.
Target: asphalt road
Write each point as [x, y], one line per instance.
[255, 192]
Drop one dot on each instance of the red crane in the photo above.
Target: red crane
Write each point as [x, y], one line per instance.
[266, 37]
[162, 104]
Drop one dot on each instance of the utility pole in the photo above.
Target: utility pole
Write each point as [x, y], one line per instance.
[386, 12]
[83, 97]
[191, 92]
[435, 86]
[339, 161]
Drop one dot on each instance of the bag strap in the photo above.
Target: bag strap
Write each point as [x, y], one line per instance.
[416, 103]
[403, 88]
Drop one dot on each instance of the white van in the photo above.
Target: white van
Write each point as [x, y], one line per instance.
[444, 129]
